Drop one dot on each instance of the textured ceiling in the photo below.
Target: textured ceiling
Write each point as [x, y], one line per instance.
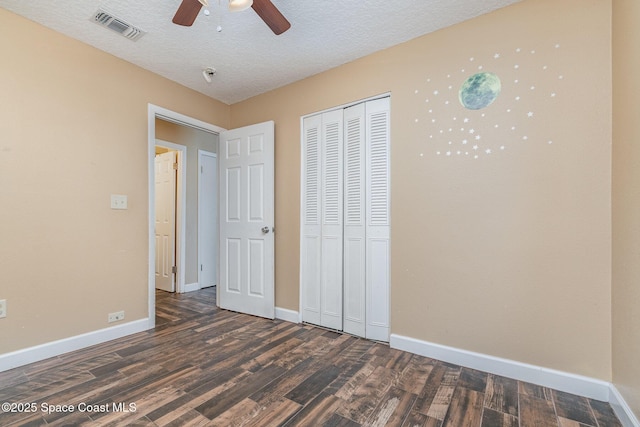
[248, 57]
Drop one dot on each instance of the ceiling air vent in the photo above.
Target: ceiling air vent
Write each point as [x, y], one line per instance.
[106, 19]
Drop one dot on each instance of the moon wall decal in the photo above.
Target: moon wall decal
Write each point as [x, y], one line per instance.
[479, 90]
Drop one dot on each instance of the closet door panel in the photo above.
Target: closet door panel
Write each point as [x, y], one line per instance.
[310, 269]
[378, 226]
[378, 289]
[354, 286]
[331, 284]
[311, 228]
[332, 221]
[354, 221]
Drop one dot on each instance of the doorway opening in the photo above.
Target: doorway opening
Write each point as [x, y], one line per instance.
[160, 121]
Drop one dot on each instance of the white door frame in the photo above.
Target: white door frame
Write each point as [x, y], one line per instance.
[200, 197]
[153, 112]
[181, 208]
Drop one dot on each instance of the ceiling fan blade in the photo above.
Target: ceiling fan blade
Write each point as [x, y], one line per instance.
[271, 16]
[187, 12]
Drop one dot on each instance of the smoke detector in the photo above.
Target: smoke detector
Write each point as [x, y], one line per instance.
[108, 20]
[207, 73]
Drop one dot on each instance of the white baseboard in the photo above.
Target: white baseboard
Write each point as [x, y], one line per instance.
[56, 348]
[621, 408]
[288, 315]
[190, 287]
[563, 381]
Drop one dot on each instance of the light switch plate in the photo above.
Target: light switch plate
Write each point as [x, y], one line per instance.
[118, 201]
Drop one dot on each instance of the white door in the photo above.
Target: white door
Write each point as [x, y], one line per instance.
[247, 220]
[310, 221]
[207, 219]
[354, 221]
[165, 180]
[332, 204]
[378, 229]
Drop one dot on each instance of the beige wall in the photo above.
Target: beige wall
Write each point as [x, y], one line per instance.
[508, 254]
[194, 140]
[626, 201]
[73, 130]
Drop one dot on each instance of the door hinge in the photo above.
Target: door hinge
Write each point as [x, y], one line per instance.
[175, 166]
[200, 267]
[174, 269]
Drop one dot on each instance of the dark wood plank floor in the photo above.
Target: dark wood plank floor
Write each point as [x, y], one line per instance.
[202, 366]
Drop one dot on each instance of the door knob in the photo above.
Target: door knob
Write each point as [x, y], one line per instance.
[265, 230]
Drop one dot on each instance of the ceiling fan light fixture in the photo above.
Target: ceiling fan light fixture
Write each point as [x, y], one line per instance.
[239, 5]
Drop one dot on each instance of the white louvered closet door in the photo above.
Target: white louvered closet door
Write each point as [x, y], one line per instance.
[311, 230]
[344, 263]
[378, 228]
[354, 221]
[332, 211]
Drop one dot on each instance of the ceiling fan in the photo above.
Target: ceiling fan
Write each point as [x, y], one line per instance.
[188, 12]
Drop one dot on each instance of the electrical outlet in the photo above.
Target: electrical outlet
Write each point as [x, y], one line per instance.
[3, 308]
[116, 317]
[118, 201]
